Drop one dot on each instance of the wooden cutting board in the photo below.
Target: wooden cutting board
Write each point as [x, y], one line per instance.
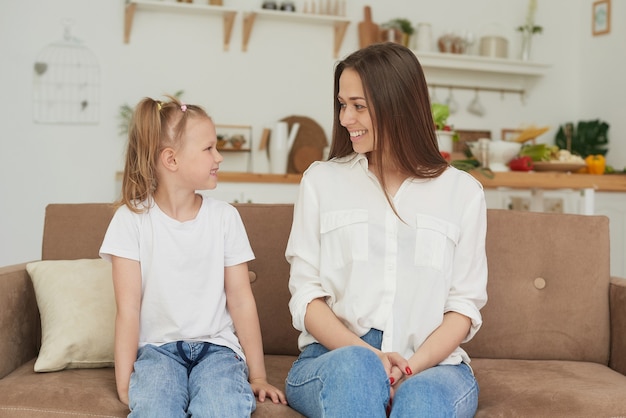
[308, 146]
[369, 32]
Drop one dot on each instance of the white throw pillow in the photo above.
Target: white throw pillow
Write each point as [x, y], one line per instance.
[77, 308]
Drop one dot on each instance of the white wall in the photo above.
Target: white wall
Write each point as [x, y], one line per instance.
[286, 71]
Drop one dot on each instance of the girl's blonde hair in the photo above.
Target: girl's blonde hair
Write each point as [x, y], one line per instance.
[154, 126]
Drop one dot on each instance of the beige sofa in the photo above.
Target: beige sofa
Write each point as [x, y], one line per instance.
[553, 341]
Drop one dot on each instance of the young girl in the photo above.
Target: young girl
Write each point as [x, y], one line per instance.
[185, 310]
[387, 253]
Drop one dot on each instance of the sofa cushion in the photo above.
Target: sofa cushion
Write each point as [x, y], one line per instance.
[69, 393]
[548, 388]
[91, 393]
[77, 308]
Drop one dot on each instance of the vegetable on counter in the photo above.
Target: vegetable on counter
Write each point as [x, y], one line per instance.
[595, 164]
[538, 152]
[472, 164]
[523, 163]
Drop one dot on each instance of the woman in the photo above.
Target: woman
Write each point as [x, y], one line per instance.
[387, 254]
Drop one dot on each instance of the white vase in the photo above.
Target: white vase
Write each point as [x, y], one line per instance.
[281, 141]
[278, 149]
[527, 39]
[444, 139]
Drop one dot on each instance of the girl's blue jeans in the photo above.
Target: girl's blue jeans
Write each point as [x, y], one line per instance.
[351, 382]
[162, 385]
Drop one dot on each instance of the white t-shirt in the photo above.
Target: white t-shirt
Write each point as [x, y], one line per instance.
[375, 270]
[182, 270]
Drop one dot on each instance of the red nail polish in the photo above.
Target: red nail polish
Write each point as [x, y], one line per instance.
[391, 380]
[408, 370]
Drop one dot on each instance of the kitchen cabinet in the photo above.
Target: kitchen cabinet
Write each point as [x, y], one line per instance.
[228, 15]
[254, 192]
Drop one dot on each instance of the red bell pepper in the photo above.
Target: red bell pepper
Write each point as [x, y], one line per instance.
[523, 163]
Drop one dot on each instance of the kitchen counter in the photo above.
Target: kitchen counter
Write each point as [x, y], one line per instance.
[553, 180]
[510, 179]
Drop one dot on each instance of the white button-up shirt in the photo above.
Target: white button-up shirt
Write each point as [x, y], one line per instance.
[378, 271]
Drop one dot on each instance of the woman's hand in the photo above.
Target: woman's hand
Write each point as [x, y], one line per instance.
[262, 389]
[396, 366]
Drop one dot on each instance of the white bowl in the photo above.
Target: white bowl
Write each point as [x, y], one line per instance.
[500, 152]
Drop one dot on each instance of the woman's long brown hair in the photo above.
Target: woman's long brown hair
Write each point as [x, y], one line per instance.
[397, 98]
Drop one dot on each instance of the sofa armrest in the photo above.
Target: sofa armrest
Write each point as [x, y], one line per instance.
[617, 301]
[20, 329]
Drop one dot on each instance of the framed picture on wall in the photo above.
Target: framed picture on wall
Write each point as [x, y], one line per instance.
[601, 17]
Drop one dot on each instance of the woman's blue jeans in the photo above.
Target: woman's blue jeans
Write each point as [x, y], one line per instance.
[351, 382]
[163, 385]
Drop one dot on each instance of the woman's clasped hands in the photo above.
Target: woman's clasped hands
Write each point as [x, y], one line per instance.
[396, 366]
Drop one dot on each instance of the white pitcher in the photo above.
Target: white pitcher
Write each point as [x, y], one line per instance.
[281, 142]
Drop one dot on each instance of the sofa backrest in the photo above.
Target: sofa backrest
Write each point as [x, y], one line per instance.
[268, 229]
[548, 288]
[74, 231]
[548, 277]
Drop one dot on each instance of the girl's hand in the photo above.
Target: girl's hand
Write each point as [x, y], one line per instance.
[262, 389]
[123, 395]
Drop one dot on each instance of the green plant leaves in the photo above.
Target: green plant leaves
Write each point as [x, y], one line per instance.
[589, 138]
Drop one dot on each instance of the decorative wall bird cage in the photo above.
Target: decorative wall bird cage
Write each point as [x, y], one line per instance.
[66, 84]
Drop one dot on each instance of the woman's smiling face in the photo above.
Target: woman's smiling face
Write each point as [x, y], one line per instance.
[354, 114]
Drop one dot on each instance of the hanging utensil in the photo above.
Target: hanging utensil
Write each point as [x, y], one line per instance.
[475, 107]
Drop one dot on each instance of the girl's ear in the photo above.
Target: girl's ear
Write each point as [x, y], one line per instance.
[168, 159]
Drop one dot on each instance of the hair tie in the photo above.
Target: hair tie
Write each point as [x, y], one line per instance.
[159, 105]
[183, 107]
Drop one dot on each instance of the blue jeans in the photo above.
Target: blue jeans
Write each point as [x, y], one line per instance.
[351, 382]
[163, 385]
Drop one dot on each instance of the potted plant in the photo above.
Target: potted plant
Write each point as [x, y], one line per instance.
[401, 26]
[445, 132]
[589, 137]
[237, 141]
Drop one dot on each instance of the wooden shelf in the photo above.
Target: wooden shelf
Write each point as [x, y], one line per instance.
[509, 179]
[240, 177]
[228, 15]
[234, 149]
[481, 73]
[340, 24]
[481, 64]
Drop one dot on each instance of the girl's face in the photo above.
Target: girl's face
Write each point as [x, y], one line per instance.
[354, 114]
[198, 157]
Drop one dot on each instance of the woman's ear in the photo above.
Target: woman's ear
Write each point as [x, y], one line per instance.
[168, 159]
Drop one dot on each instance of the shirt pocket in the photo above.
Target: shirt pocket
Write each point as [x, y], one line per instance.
[344, 237]
[435, 241]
